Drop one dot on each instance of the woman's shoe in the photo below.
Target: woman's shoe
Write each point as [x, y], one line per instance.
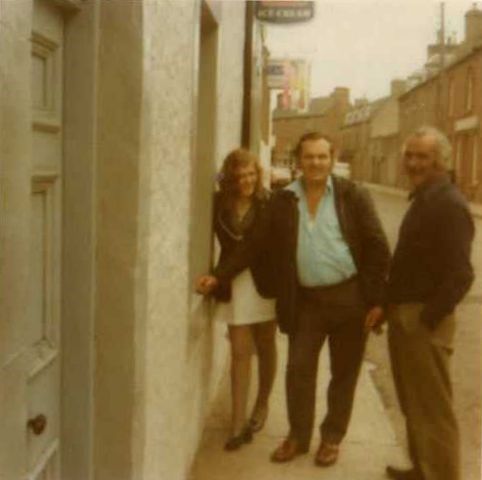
[237, 441]
[257, 423]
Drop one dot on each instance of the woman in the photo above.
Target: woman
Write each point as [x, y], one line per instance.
[242, 283]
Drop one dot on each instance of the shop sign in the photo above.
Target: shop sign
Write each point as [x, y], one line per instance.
[284, 12]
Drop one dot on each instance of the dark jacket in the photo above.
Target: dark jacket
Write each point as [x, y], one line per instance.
[361, 229]
[250, 250]
[431, 263]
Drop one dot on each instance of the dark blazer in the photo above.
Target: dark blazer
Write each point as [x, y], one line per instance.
[250, 250]
[361, 229]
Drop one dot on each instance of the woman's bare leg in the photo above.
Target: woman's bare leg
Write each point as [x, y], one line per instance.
[264, 335]
[241, 351]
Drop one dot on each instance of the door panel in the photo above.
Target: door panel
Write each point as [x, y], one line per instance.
[37, 268]
[46, 151]
[48, 467]
[43, 381]
[43, 392]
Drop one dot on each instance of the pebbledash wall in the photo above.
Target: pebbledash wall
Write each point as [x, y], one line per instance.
[189, 98]
[188, 94]
[153, 102]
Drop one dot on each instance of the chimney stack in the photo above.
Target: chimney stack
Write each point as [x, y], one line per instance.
[341, 95]
[279, 101]
[397, 87]
[473, 26]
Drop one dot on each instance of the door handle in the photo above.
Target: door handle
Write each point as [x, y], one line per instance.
[37, 424]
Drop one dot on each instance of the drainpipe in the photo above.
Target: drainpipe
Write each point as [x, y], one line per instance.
[248, 72]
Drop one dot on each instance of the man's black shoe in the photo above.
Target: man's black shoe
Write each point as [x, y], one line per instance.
[399, 474]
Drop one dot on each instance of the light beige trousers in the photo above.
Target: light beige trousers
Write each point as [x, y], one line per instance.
[420, 364]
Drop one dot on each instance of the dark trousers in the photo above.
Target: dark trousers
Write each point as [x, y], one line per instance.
[336, 313]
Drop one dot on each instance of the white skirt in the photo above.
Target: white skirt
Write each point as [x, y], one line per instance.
[246, 305]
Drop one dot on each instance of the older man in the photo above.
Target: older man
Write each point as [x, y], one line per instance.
[430, 274]
[332, 260]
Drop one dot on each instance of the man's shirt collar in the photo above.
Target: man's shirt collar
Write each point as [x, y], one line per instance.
[298, 188]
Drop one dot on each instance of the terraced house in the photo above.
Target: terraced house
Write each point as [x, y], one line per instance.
[450, 98]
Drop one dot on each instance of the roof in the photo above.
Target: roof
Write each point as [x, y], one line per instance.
[318, 106]
[465, 53]
[363, 113]
[436, 59]
[293, 114]
[385, 122]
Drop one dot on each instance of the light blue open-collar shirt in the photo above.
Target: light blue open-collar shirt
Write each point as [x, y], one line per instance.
[323, 256]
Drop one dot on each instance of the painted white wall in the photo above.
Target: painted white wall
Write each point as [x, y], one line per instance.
[184, 353]
[231, 41]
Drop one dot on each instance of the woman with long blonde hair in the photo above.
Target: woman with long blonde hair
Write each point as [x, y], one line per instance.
[242, 282]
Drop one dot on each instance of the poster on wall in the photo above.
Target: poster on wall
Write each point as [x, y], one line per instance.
[292, 77]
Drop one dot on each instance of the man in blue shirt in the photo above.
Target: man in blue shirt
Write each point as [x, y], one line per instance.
[331, 261]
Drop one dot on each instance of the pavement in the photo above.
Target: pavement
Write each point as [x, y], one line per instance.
[466, 362]
[369, 446]
[475, 208]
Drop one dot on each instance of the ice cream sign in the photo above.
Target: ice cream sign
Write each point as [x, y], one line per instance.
[284, 12]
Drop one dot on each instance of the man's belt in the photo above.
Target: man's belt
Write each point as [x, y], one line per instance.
[347, 290]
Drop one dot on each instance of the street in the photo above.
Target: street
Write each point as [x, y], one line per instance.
[466, 367]
[377, 426]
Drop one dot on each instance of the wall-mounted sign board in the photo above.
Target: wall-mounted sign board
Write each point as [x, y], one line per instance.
[284, 11]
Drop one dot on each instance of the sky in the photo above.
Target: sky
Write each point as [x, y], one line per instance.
[363, 44]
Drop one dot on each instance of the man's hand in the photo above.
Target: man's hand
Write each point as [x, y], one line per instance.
[430, 317]
[206, 284]
[374, 320]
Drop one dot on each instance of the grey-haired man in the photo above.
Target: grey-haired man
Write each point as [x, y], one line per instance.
[429, 275]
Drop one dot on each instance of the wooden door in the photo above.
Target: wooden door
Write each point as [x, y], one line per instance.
[44, 328]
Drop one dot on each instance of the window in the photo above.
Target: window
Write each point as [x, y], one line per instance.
[475, 162]
[458, 156]
[469, 91]
[451, 97]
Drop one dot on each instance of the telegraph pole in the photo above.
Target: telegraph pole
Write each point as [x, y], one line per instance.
[443, 90]
[442, 35]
